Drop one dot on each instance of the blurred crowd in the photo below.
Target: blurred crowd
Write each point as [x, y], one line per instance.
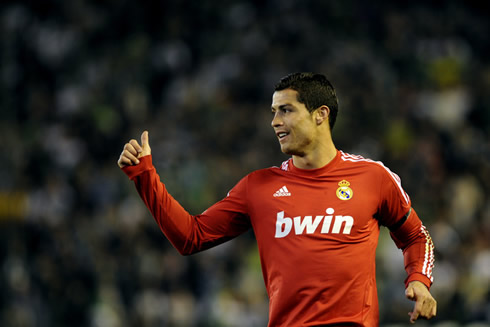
[79, 78]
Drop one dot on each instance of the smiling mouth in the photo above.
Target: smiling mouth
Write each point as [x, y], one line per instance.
[282, 135]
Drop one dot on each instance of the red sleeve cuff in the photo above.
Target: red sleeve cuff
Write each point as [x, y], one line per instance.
[418, 277]
[133, 171]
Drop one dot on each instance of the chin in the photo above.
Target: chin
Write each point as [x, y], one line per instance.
[291, 152]
[285, 150]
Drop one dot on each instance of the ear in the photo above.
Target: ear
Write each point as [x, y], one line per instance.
[321, 114]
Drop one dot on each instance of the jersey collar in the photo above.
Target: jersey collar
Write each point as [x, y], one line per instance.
[312, 172]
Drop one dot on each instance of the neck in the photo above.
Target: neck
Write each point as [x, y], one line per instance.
[318, 158]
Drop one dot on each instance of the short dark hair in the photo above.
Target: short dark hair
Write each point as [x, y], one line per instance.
[314, 90]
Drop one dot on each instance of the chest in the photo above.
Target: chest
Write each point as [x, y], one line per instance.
[338, 207]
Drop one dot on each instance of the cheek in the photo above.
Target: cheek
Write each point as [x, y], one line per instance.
[305, 131]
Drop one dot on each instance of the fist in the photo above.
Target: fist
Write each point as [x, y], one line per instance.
[132, 151]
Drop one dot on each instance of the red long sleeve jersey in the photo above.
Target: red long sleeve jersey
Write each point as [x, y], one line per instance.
[317, 232]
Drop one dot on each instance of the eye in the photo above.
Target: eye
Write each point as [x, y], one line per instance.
[281, 110]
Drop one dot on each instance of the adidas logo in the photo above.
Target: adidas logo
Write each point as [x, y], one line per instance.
[283, 191]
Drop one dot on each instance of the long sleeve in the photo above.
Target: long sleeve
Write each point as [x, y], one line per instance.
[418, 250]
[188, 233]
[406, 229]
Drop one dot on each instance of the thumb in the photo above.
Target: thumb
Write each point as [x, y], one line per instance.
[145, 139]
[145, 145]
[409, 293]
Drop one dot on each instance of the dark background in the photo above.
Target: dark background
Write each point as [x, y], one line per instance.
[78, 79]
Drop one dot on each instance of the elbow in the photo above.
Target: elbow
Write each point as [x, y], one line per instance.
[186, 249]
[185, 252]
[190, 248]
[183, 244]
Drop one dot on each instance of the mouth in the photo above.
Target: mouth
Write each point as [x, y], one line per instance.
[282, 135]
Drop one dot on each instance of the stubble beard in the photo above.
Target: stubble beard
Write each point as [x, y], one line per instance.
[296, 149]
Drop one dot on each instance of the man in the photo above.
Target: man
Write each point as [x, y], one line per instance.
[316, 218]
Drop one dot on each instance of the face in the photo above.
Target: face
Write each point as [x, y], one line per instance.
[293, 124]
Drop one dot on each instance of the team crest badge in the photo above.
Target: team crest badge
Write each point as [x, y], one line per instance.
[344, 192]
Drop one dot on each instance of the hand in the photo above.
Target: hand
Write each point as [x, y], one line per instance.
[132, 151]
[425, 304]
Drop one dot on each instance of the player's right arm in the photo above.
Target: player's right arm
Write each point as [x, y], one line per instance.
[187, 233]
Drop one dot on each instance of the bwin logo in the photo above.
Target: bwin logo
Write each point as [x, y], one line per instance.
[308, 225]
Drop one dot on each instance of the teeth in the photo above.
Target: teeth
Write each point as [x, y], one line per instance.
[281, 135]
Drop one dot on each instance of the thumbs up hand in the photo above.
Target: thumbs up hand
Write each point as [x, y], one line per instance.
[132, 151]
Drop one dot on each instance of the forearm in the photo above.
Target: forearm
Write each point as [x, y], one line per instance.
[187, 233]
[174, 221]
[418, 249]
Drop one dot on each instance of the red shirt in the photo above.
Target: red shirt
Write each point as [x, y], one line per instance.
[317, 232]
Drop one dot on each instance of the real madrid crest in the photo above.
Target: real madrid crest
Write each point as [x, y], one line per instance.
[344, 192]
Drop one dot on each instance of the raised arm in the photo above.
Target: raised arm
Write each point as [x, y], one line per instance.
[187, 233]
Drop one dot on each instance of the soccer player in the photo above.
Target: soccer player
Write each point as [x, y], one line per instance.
[316, 218]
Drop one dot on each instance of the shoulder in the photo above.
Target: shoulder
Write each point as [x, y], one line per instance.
[355, 161]
[265, 174]
[384, 175]
[378, 168]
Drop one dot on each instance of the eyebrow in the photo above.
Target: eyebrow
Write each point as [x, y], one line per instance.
[282, 106]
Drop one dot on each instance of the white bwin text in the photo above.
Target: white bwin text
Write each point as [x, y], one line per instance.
[308, 225]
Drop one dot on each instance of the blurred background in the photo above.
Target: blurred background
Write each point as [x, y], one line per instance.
[78, 79]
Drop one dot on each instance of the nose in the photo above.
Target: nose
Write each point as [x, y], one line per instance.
[276, 121]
